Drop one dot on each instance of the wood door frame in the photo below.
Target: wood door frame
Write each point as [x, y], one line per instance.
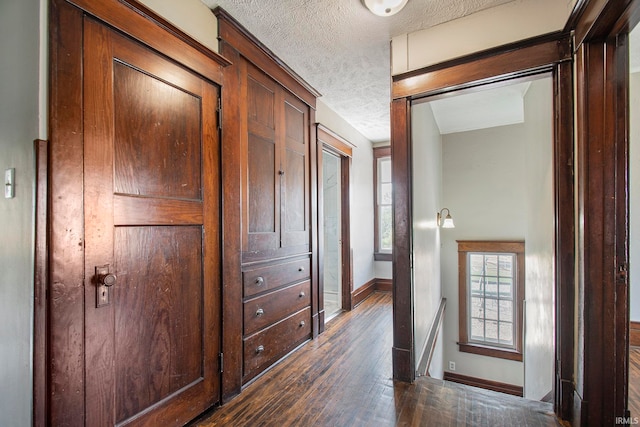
[335, 144]
[602, 76]
[548, 53]
[59, 258]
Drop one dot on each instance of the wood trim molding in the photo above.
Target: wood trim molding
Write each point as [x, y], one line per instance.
[333, 143]
[384, 285]
[144, 25]
[233, 33]
[634, 333]
[404, 368]
[594, 19]
[430, 345]
[514, 390]
[366, 290]
[564, 206]
[363, 292]
[66, 256]
[40, 356]
[486, 349]
[529, 56]
[331, 139]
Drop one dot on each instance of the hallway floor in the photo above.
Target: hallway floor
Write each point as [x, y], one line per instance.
[343, 378]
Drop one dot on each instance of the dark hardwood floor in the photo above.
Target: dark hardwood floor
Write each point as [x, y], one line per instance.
[634, 381]
[343, 378]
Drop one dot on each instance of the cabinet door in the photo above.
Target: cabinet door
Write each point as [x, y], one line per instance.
[295, 181]
[261, 179]
[275, 177]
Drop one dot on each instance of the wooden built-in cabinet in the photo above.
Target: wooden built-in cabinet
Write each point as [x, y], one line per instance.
[275, 179]
[272, 306]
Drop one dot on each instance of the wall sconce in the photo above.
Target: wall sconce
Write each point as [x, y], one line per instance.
[385, 7]
[447, 222]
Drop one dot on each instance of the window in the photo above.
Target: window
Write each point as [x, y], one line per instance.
[383, 212]
[491, 291]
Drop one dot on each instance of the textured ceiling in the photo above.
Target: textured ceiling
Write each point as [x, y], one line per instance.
[341, 49]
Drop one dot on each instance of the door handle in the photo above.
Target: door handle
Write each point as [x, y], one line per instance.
[104, 280]
[108, 279]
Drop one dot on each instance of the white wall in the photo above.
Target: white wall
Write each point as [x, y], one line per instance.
[22, 25]
[191, 16]
[427, 196]
[483, 186]
[510, 22]
[634, 198]
[361, 194]
[539, 350]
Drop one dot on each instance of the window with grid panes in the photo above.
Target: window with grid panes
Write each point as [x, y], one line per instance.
[491, 287]
[383, 200]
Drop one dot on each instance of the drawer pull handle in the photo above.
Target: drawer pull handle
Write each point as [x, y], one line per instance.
[259, 312]
[260, 349]
[302, 323]
[301, 294]
[259, 281]
[300, 268]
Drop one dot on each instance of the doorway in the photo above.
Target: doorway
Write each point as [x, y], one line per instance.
[520, 59]
[335, 275]
[332, 226]
[485, 155]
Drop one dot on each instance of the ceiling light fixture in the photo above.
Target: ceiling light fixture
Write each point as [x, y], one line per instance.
[385, 7]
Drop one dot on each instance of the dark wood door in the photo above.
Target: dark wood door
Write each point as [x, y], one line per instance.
[151, 159]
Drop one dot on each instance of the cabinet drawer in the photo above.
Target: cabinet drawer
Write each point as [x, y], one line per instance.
[270, 308]
[266, 347]
[264, 278]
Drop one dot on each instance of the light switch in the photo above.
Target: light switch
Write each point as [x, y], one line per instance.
[9, 183]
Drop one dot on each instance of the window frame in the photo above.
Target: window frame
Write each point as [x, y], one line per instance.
[494, 247]
[379, 254]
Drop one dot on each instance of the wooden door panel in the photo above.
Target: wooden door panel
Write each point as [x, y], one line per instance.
[261, 101]
[152, 215]
[168, 164]
[295, 189]
[294, 207]
[158, 328]
[261, 188]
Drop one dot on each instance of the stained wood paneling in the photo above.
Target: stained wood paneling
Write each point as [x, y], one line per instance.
[158, 317]
[169, 118]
